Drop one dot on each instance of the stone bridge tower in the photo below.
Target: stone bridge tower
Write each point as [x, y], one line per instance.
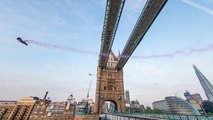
[109, 86]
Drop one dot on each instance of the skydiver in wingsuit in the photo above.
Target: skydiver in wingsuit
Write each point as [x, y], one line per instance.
[22, 41]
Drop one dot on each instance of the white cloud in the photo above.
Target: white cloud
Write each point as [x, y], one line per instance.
[203, 8]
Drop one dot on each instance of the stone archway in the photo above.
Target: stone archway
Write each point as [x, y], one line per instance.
[109, 107]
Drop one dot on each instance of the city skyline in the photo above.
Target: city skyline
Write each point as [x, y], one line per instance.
[160, 66]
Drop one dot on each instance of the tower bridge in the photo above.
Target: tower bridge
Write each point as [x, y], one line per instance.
[110, 84]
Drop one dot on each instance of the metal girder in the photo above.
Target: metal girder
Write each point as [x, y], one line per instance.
[150, 11]
[112, 16]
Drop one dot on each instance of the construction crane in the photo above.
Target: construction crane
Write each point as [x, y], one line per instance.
[89, 85]
[87, 105]
[89, 89]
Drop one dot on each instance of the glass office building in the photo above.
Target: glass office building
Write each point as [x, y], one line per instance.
[180, 107]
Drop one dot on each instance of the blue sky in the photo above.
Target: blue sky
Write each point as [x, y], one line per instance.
[182, 26]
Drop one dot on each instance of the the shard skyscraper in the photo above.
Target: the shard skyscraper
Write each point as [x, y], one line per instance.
[207, 86]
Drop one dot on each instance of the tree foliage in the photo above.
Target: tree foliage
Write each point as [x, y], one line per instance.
[154, 111]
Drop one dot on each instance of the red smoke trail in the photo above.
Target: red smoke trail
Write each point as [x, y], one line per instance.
[178, 52]
[166, 55]
[47, 45]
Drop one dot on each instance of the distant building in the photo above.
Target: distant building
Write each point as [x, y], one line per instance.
[22, 109]
[39, 109]
[4, 102]
[55, 109]
[81, 108]
[33, 108]
[70, 106]
[175, 105]
[181, 107]
[161, 105]
[135, 107]
[197, 97]
[194, 99]
[208, 106]
[127, 98]
[6, 109]
[207, 86]
[90, 104]
[47, 110]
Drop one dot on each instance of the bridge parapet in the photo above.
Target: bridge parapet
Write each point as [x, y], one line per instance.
[127, 117]
[143, 116]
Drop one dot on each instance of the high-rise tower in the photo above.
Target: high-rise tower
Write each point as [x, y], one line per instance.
[127, 99]
[207, 86]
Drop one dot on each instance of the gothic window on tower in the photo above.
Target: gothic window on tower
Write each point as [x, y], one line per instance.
[110, 76]
[110, 88]
[115, 88]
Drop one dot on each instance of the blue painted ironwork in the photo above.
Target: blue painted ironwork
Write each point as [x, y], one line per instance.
[143, 116]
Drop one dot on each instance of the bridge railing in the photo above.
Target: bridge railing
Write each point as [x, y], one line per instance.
[155, 116]
[126, 117]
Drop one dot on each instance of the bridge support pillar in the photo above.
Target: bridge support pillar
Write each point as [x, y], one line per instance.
[109, 87]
